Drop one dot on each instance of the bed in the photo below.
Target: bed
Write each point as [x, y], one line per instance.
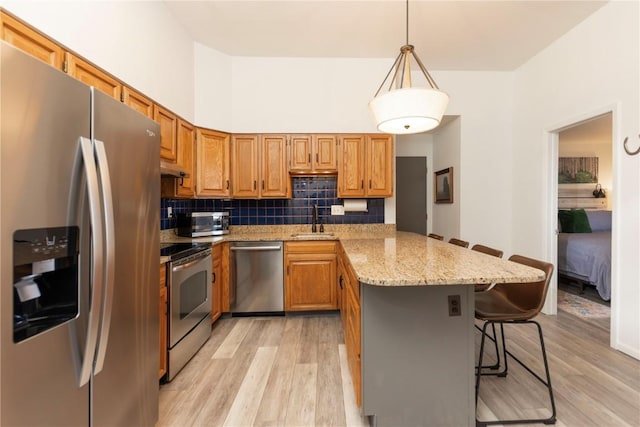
[585, 257]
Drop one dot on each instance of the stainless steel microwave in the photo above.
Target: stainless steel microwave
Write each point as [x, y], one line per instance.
[199, 224]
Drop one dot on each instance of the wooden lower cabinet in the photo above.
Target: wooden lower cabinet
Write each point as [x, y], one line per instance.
[216, 283]
[349, 290]
[163, 322]
[310, 279]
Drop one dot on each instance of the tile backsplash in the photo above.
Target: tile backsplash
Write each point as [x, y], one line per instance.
[307, 192]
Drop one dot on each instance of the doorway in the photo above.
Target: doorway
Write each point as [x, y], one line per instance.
[583, 174]
[411, 194]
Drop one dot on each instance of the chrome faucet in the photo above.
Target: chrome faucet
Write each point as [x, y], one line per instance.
[315, 219]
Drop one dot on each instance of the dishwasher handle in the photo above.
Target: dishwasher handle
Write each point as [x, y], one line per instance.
[255, 248]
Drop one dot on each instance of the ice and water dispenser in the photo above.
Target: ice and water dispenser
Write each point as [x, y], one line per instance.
[45, 279]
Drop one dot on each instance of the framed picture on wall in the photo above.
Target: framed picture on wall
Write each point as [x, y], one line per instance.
[443, 181]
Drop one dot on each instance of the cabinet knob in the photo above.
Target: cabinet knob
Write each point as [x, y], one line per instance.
[214, 277]
[227, 184]
[255, 184]
[362, 184]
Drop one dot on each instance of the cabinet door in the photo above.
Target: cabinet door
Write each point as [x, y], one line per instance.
[274, 174]
[30, 41]
[245, 166]
[351, 162]
[213, 162]
[185, 187]
[310, 282]
[379, 165]
[352, 343]
[300, 153]
[216, 283]
[93, 76]
[163, 322]
[325, 154]
[168, 132]
[138, 102]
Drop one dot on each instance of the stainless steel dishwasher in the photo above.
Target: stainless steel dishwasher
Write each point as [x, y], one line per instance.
[256, 282]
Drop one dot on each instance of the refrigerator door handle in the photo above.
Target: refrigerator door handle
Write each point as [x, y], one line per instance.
[84, 363]
[109, 256]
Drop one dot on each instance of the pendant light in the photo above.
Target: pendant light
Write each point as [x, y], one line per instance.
[404, 108]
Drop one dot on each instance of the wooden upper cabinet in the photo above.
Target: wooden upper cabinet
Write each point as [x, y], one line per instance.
[313, 154]
[30, 41]
[93, 76]
[185, 187]
[273, 174]
[245, 166]
[300, 153]
[351, 172]
[325, 156]
[380, 160]
[365, 166]
[168, 132]
[137, 101]
[259, 164]
[213, 161]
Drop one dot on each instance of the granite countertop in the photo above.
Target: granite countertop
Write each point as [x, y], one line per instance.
[409, 259]
[381, 256]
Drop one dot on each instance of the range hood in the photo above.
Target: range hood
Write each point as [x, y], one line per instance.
[172, 169]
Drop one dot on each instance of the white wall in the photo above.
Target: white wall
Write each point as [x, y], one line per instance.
[593, 68]
[213, 98]
[484, 102]
[304, 94]
[446, 154]
[138, 42]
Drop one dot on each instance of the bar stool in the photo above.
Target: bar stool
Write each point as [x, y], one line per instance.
[485, 287]
[458, 242]
[435, 236]
[489, 251]
[515, 304]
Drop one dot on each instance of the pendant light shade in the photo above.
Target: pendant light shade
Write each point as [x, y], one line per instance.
[405, 109]
[408, 110]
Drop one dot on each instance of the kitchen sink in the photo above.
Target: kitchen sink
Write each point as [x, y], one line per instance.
[312, 235]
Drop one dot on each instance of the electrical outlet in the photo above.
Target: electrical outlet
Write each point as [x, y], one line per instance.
[337, 210]
[454, 305]
[170, 212]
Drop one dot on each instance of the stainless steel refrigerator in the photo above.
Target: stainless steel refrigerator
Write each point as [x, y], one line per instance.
[79, 242]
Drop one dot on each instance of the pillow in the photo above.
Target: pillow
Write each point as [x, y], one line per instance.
[573, 221]
[599, 220]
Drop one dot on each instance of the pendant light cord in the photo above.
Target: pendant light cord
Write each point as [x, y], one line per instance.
[407, 12]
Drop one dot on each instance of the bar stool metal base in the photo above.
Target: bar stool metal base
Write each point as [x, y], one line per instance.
[503, 373]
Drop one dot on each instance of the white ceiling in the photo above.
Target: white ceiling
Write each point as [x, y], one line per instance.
[448, 35]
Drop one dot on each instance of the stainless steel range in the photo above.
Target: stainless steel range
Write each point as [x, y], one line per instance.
[189, 286]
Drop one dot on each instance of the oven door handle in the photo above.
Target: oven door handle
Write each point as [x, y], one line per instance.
[180, 267]
[256, 248]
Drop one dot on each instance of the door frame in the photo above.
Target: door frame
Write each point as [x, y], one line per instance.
[550, 237]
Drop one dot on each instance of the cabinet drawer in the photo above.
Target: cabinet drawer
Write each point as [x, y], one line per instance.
[311, 247]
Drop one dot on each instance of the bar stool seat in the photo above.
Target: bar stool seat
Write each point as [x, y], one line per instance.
[435, 236]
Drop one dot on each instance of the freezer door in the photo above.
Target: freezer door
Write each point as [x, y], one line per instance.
[125, 391]
[42, 115]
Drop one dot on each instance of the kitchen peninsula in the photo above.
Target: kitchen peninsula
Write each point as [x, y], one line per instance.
[415, 324]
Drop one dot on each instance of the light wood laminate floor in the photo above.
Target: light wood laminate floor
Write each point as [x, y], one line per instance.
[292, 371]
